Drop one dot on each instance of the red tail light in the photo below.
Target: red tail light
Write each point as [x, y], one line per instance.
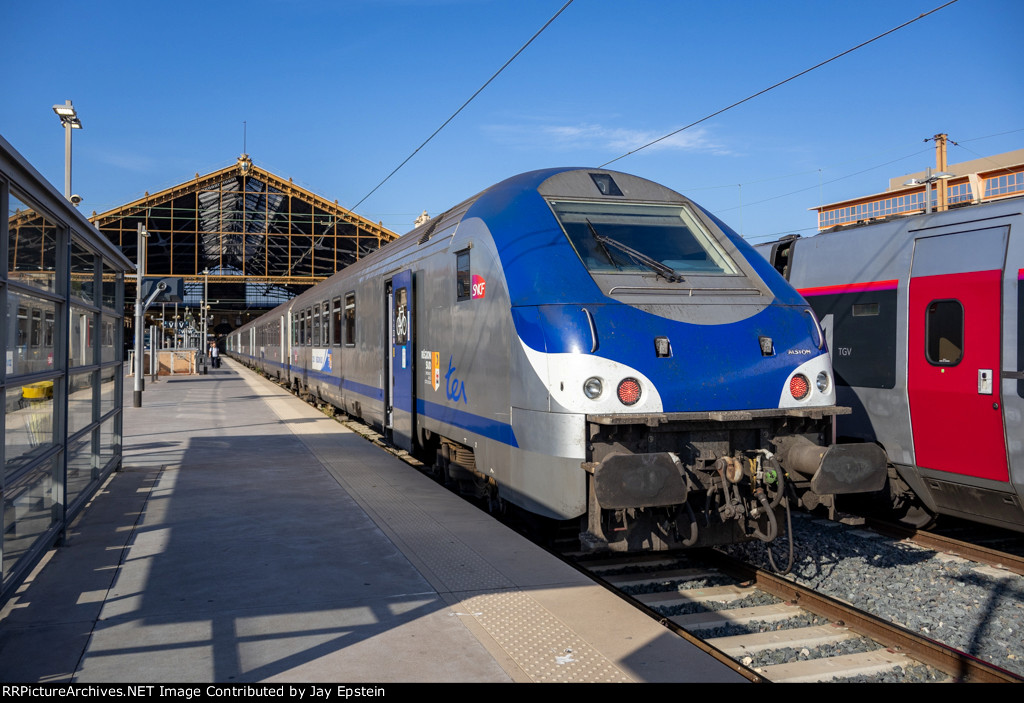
[798, 386]
[629, 391]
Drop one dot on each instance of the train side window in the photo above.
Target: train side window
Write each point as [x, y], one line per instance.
[37, 328]
[22, 327]
[325, 323]
[463, 280]
[316, 326]
[350, 320]
[944, 332]
[336, 322]
[401, 321]
[48, 329]
[309, 326]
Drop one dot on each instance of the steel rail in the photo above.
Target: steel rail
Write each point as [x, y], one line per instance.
[951, 545]
[959, 665]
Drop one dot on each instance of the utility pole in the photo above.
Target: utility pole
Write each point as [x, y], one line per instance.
[940, 167]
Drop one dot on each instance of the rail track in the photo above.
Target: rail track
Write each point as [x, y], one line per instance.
[968, 549]
[779, 631]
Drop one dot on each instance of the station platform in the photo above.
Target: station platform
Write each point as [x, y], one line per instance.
[250, 538]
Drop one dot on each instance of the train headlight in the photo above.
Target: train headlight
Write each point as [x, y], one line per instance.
[592, 388]
[629, 391]
[799, 386]
[823, 382]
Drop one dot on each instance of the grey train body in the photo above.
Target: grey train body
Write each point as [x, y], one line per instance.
[955, 443]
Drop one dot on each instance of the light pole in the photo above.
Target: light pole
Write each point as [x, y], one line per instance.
[204, 308]
[69, 120]
[927, 183]
[140, 270]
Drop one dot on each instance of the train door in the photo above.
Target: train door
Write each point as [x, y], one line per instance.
[399, 394]
[282, 336]
[388, 347]
[953, 357]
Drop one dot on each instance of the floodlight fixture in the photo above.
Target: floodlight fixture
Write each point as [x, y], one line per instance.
[927, 183]
[69, 121]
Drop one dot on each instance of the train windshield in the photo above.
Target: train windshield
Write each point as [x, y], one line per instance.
[633, 237]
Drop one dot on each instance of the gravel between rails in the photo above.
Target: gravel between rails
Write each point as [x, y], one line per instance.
[976, 609]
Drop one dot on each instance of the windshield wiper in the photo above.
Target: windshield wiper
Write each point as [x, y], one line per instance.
[666, 272]
[600, 242]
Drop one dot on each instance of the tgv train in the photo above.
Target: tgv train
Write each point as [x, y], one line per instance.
[924, 319]
[582, 343]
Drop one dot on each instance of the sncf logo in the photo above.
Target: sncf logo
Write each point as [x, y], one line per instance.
[479, 287]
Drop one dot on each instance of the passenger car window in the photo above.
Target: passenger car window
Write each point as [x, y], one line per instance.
[463, 281]
[336, 322]
[350, 320]
[944, 332]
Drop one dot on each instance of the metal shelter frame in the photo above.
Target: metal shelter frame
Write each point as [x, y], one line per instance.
[255, 239]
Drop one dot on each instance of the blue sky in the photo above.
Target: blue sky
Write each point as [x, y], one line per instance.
[336, 94]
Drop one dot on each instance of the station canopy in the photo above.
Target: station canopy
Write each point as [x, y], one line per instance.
[254, 239]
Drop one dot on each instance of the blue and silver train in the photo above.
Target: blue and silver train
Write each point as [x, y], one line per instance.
[587, 344]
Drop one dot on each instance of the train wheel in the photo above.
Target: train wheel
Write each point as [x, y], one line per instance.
[916, 515]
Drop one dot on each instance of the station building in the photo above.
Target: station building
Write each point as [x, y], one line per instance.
[63, 293]
[948, 185]
[242, 239]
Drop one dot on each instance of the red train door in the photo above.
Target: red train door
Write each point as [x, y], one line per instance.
[954, 353]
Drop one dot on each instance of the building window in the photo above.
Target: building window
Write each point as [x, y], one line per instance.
[959, 193]
[31, 246]
[1001, 185]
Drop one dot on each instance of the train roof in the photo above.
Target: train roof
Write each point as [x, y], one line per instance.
[530, 242]
[958, 212]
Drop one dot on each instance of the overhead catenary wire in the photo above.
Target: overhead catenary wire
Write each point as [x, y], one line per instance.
[958, 144]
[463, 106]
[981, 157]
[780, 83]
[817, 185]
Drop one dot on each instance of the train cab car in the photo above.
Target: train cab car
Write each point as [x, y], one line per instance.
[587, 344]
[923, 317]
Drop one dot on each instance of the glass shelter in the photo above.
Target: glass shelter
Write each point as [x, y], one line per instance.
[63, 293]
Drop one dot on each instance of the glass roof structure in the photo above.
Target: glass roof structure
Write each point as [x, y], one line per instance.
[253, 238]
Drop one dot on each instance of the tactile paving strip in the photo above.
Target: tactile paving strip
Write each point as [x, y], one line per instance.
[544, 648]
